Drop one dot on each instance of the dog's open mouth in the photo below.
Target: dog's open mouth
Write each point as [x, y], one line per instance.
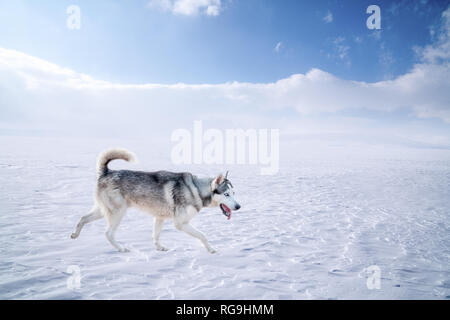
[226, 211]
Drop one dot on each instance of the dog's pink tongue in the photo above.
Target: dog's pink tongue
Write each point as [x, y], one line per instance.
[228, 210]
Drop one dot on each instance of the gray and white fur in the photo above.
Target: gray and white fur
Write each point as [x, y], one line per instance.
[163, 194]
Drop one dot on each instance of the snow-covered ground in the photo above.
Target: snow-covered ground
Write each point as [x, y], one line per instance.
[308, 232]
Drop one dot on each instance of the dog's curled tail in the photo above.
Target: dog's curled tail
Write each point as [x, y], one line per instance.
[112, 154]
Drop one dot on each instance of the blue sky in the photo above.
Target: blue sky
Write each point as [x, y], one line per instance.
[132, 42]
[310, 68]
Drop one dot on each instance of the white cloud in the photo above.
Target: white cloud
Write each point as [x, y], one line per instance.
[39, 84]
[278, 47]
[165, 5]
[341, 50]
[36, 94]
[328, 18]
[188, 7]
[439, 51]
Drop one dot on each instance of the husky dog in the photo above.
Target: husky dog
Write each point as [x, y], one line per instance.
[165, 195]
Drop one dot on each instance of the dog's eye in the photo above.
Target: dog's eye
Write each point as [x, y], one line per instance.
[226, 194]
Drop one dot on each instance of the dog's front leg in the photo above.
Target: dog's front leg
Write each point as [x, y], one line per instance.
[157, 227]
[186, 227]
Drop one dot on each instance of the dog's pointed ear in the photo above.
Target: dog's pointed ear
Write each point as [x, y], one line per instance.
[219, 179]
[216, 181]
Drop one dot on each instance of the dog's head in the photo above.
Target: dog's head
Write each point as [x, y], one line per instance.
[223, 195]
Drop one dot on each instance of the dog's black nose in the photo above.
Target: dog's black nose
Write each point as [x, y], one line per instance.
[238, 207]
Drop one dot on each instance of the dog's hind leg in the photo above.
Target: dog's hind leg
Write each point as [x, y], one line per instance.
[94, 214]
[113, 218]
[157, 227]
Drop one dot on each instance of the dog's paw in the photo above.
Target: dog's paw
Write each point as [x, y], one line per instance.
[212, 250]
[161, 248]
[123, 249]
[74, 235]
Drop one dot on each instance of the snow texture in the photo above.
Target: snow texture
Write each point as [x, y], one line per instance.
[308, 232]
